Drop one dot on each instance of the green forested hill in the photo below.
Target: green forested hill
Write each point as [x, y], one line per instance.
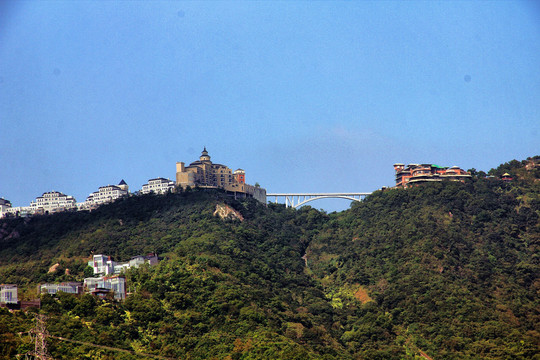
[451, 268]
[445, 270]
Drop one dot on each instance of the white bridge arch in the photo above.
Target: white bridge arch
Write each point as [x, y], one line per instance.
[296, 200]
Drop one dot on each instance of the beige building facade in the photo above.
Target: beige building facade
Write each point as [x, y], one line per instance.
[206, 174]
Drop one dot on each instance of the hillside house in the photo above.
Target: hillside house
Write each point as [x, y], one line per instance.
[67, 287]
[101, 286]
[104, 195]
[8, 294]
[422, 173]
[158, 186]
[53, 201]
[104, 265]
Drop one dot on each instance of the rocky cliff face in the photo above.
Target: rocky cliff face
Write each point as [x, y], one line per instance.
[227, 213]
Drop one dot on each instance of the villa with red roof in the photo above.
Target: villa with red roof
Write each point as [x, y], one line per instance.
[421, 173]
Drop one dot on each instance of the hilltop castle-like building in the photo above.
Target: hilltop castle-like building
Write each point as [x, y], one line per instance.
[206, 174]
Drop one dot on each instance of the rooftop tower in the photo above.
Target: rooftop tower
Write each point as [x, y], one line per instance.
[204, 155]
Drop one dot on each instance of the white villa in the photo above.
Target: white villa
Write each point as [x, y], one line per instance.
[158, 186]
[105, 194]
[4, 204]
[67, 287]
[105, 284]
[8, 294]
[51, 202]
[104, 265]
[5, 207]
[48, 203]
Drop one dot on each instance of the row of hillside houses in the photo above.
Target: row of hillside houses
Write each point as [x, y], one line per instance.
[107, 277]
[107, 281]
[201, 173]
[55, 201]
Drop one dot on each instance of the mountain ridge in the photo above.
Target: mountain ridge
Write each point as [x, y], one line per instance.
[448, 270]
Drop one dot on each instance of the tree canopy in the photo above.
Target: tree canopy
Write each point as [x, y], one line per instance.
[448, 269]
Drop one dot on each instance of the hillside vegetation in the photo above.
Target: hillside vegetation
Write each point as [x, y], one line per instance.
[445, 270]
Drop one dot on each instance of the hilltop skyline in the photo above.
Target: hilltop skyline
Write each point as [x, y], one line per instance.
[314, 97]
[169, 186]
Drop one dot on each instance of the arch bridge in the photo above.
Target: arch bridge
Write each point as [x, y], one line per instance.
[296, 200]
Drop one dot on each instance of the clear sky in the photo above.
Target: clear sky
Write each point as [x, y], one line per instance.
[304, 96]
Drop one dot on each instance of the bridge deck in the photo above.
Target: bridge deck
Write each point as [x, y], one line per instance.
[321, 194]
[298, 199]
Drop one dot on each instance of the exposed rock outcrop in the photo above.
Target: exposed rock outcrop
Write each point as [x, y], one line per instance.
[227, 213]
[53, 268]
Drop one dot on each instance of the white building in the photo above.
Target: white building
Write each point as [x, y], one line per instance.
[158, 186]
[108, 269]
[99, 285]
[136, 261]
[8, 294]
[105, 194]
[6, 209]
[67, 287]
[5, 206]
[104, 265]
[22, 211]
[53, 201]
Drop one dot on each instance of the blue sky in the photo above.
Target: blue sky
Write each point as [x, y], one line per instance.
[305, 96]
